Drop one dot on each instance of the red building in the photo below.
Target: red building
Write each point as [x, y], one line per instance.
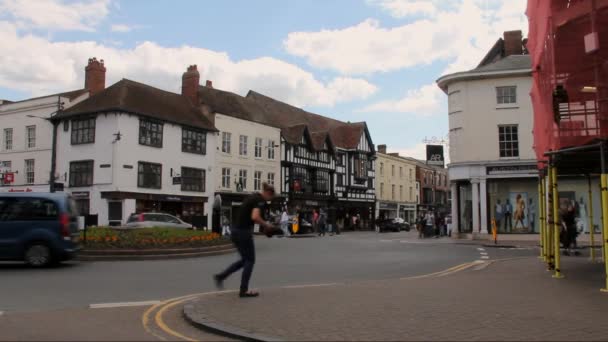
[568, 43]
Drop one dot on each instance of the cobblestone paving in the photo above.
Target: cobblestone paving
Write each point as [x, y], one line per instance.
[510, 300]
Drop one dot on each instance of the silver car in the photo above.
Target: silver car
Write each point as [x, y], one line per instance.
[149, 220]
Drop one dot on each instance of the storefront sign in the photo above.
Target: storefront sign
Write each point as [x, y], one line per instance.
[9, 178]
[512, 169]
[408, 207]
[388, 206]
[434, 155]
[173, 198]
[236, 204]
[81, 195]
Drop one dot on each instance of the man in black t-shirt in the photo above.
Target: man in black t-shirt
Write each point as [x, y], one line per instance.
[250, 213]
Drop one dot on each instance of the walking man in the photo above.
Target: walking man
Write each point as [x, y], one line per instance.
[242, 236]
[285, 223]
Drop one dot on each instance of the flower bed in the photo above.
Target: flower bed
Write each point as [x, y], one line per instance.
[148, 238]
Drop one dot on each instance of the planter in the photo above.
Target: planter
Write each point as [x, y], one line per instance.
[153, 254]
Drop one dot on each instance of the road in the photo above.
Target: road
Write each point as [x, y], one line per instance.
[56, 303]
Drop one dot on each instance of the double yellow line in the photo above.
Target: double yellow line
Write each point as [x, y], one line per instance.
[148, 317]
[449, 271]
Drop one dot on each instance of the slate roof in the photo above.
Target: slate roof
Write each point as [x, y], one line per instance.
[141, 99]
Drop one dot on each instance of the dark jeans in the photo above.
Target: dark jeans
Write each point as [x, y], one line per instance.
[243, 241]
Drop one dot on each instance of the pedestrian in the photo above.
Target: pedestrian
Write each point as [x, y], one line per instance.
[249, 214]
[225, 226]
[569, 231]
[315, 221]
[285, 223]
[322, 222]
[420, 224]
[429, 220]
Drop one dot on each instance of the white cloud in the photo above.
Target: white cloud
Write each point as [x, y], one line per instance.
[459, 33]
[121, 28]
[62, 68]
[424, 101]
[55, 15]
[405, 8]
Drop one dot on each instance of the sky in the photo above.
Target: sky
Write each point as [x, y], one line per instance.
[353, 60]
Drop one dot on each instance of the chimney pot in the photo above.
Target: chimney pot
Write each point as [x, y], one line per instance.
[513, 43]
[95, 76]
[209, 84]
[190, 83]
[382, 149]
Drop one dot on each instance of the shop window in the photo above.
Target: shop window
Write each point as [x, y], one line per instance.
[508, 141]
[194, 141]
[83, 131]
[506, 95]
[81, 173]
[149, 175]
[150, 133]
[226, 141]
[193, 179]
[226, 178]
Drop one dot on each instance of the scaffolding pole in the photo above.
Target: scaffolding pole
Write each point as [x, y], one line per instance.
[541, 209]
[604, 185]
[591, 226]
[556, 228]
[549, 222]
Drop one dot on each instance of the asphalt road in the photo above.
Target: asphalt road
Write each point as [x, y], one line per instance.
[42, 304]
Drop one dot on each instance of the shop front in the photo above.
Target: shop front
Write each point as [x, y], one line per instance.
[191, 209]
[355, 215]
[388, 210]
[407, 212]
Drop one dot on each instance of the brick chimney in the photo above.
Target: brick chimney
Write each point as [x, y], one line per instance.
[190, 82]
[95, 76]
[209, 84]
[513, 41]
[382, 149]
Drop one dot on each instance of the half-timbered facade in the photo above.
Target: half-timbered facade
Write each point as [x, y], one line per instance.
[307, 168]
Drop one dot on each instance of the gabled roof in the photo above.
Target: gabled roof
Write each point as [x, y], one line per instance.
[293, 134]
[319, 139]
[224, 102]
[141, 99]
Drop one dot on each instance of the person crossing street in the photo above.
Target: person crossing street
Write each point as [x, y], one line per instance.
[242, 236]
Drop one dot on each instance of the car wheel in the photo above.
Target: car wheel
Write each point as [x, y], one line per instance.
[38, 255]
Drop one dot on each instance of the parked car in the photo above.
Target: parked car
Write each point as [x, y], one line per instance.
[149, 220]
[392, 225]
[38, 228]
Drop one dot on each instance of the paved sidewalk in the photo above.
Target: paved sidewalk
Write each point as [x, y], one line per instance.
[507, 300]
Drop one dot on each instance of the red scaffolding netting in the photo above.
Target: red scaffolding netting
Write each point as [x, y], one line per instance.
[568, 44]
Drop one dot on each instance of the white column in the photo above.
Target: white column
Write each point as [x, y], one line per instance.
[475, 190]
[483, 199]
[455, 214]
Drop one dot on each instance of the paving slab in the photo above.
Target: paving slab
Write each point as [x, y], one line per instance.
[509, 300]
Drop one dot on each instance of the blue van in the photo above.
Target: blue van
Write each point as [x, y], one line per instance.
[38, 228]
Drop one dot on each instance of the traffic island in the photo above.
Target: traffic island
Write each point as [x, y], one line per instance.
[510, 300]
[150, 243]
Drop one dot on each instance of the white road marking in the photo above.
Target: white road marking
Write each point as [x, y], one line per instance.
[386, 240]
[413, 242]
[485, 257]
[483, 253]
[123, 304]
[480, 249]
[311, 285]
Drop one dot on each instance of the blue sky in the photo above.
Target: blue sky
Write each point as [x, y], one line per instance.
[354, 60]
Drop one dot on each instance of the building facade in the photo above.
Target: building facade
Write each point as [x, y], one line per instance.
[248, 154]
[133, 148]
[395, 186]
[493, 170]
[26, 135]
[433, 189]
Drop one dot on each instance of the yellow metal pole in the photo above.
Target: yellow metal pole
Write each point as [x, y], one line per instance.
[604, 182]
[549, 222]
[591, 227]
[541, 218]
[556, 227]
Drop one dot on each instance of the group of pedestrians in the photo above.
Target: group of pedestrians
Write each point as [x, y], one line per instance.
[429, 224]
